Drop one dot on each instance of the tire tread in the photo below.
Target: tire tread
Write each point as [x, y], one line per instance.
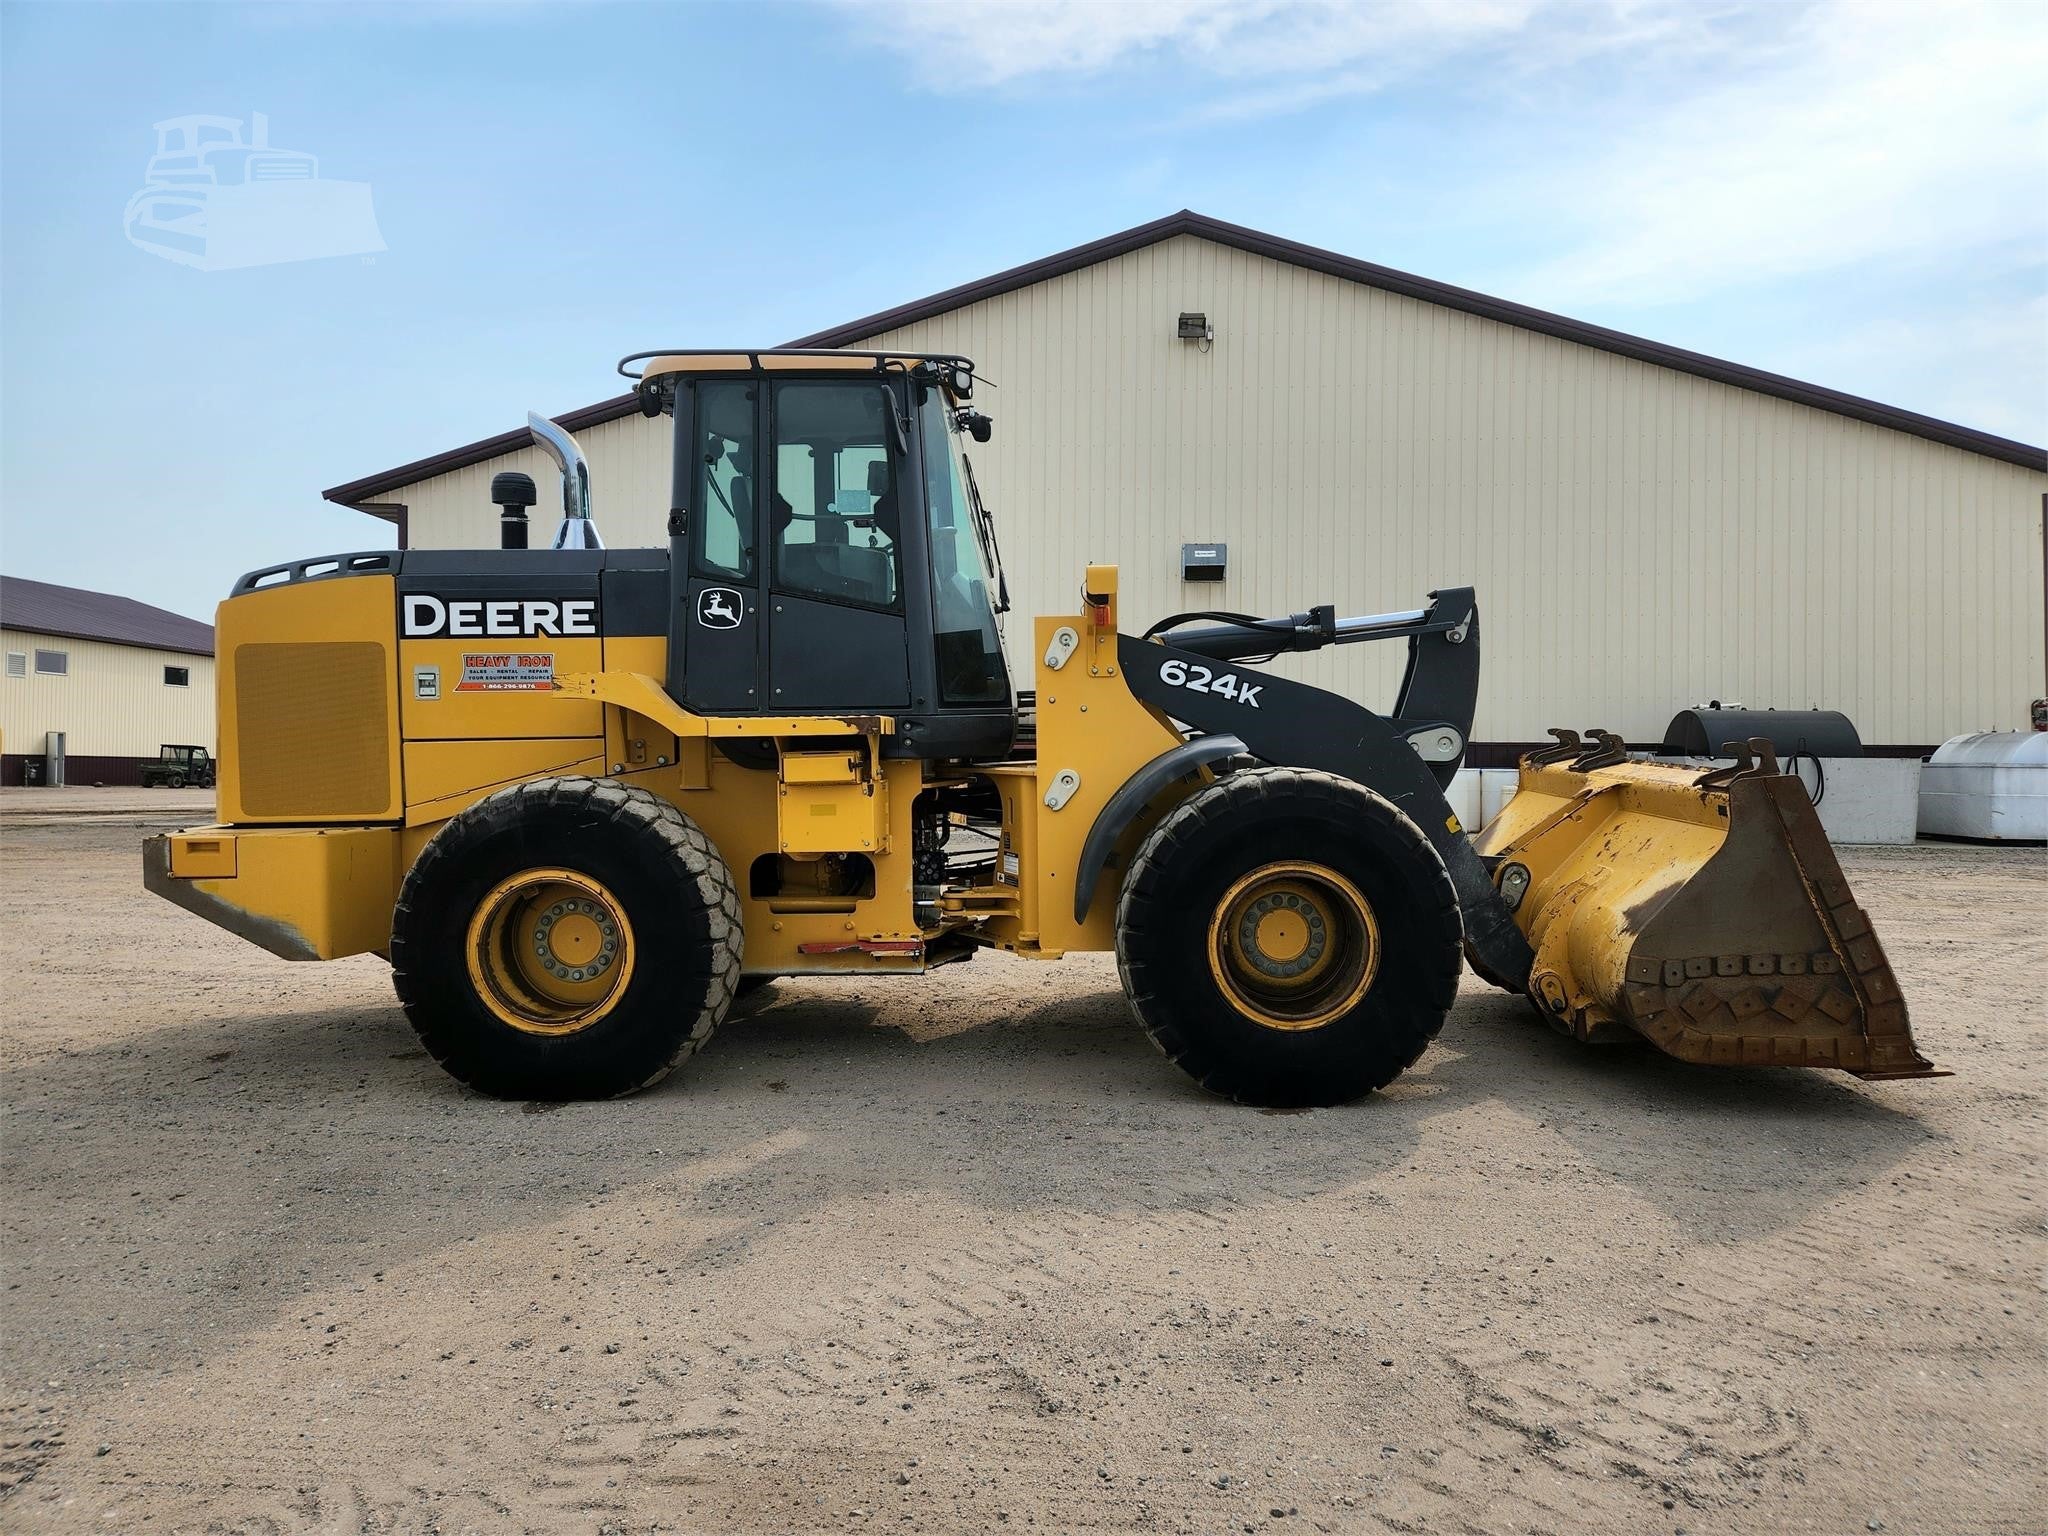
[647, 815]
[1147, 888]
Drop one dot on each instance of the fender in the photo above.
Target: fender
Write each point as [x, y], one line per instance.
[1132, 796]
[1299, 726]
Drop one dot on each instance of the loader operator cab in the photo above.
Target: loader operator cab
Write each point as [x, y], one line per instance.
[829, 552]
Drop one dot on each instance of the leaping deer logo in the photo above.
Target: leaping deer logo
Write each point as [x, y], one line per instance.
[720, 608]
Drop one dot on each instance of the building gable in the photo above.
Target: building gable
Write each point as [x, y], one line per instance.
[363, 493]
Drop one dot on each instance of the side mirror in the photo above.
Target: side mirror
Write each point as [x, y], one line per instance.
[899, 429]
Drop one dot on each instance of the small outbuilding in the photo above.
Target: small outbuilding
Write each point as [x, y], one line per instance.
[97, 683]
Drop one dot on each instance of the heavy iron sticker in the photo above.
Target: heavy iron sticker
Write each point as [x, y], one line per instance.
[507, 672]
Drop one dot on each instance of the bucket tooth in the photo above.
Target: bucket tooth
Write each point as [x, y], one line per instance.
[1705, 912]
[1568, 746]
[1603, 751]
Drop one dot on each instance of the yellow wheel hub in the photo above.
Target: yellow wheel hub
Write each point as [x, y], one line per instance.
[1294, 945]
[550, 951]
[1283, 933]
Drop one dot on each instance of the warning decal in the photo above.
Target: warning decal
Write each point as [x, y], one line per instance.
[507, 672]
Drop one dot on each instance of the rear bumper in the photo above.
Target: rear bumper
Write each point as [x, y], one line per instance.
[304, 893]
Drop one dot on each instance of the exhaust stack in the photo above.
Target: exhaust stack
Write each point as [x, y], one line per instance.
[577, 530]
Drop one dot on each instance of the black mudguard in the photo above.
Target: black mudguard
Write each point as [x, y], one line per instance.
[1293, 724]
[1133, 796]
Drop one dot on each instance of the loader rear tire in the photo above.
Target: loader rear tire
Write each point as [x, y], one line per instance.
[566, 939]
[1360, 915]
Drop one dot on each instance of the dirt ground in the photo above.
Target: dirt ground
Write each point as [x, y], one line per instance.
[965, 1254]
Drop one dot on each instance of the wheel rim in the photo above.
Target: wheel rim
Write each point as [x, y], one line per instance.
[1294, 945]
[550, 951]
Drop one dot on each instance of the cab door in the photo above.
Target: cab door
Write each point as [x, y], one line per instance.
[834, 531]
[722, 651]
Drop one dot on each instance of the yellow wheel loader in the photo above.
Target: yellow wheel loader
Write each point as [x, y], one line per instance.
[579, 798]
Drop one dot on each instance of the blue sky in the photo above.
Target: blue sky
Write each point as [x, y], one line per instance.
[1852, 193]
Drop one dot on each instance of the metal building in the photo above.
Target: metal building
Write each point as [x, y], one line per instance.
[1647, 527]
[113, 680]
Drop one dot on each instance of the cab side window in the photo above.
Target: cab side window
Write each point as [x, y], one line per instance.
[727, 479]
[833, 521]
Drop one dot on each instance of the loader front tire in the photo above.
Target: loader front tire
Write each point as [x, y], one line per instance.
[566, 938]
[1289, 938]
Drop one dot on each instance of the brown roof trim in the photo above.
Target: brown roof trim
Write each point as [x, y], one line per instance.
[1430, 291]
[397, 514]
[1238, 237]
[1056, 265]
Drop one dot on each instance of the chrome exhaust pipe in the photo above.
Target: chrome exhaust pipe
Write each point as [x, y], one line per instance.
[577, 530]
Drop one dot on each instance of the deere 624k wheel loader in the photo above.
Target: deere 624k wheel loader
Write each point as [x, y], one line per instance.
[579, 796]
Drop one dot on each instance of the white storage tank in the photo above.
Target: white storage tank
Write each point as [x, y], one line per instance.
[1991, 786]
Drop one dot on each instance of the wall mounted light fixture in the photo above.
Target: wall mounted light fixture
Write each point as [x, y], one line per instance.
[1204, 562]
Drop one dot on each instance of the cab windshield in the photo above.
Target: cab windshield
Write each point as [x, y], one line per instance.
[970, 650]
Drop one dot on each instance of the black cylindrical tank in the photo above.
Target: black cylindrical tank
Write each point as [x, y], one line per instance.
[1703, 731]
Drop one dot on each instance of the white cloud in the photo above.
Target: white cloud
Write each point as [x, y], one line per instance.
[1323, 47]
[1882, 132]
[1628, 153]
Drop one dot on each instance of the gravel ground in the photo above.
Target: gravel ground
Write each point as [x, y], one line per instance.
[965, 1254]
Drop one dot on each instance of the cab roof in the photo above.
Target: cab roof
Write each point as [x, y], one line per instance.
[654, 365]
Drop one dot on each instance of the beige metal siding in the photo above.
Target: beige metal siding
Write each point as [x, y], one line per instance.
[1640, 539]
[629, 477]
[113, 702]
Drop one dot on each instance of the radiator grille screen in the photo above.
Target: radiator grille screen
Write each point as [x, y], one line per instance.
[313, 734]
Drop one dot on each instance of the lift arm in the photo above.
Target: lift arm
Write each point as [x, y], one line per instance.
[1439, 692]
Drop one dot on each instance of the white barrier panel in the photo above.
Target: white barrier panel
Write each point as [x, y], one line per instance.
[1497, 787]
[1477, 794]
[1465, 799]
[1861, 799]
[1865, 799]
